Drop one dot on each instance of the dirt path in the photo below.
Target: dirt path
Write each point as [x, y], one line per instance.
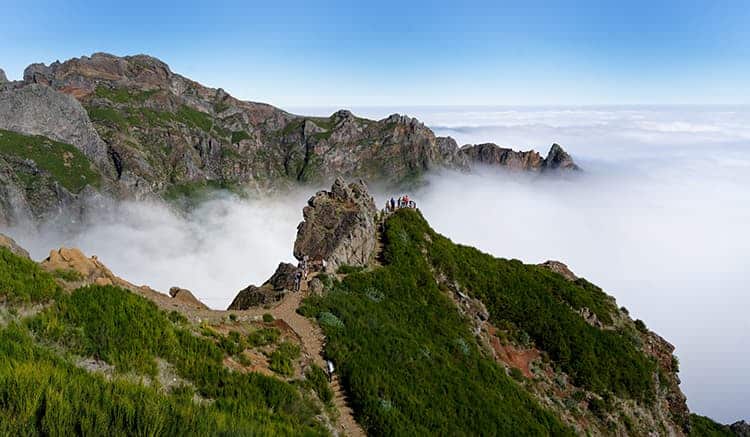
[313, 341]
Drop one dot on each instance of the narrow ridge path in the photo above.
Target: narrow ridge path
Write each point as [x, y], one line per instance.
[313, 340]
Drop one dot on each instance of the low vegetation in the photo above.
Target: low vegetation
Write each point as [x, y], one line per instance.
[22, 281]
[408, 359]
[43, 391]
[701, 426]
[63, 162]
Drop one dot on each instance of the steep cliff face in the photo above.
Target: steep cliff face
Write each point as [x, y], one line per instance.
[151, 132]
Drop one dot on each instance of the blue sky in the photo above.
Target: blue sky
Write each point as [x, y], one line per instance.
[411, 53]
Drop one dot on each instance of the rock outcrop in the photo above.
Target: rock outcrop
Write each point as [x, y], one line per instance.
[270, 292]
[10, 244]
[559, 159]
[40, 110]
[560, 268]
[186, 297]
[492, 155]
[3, 77]
[740, 428]
[339, 227]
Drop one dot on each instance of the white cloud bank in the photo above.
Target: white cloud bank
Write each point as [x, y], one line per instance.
[659, 220]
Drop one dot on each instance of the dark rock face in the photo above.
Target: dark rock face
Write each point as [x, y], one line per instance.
[338, 227]
[10, 244]
[270, 292]
[559, 159]
[495, 156]
[741, 428]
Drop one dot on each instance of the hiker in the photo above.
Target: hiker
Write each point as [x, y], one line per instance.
[393, 204]
[329, 366]
[324, 263]
[305, 266]
[412, 204]
[400, 202]
[298, 279]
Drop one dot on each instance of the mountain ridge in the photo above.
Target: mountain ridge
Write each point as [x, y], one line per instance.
[151, 132]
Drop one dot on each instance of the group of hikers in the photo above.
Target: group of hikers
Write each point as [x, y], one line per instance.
[303, 269]
[402, 202]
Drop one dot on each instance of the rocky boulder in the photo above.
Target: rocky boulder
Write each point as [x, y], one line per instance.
[339, 227]
[270, 292]
[187, 297]
[10, 244]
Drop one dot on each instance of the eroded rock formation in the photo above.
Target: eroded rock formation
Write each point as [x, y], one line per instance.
[339, 226]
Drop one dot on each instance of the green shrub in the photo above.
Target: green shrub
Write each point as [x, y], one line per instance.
[516, 374]
[195, 118]
[238, 136]
[21, 280]
[701, 426]
[330, 320]
[267, 318]
[317, 380]
[68, 275]
[347, 269]
[263, 337]
[282, 359]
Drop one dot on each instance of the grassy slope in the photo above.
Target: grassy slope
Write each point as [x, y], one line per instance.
[409, 358]
[43, 392]
[704, 427]
[543, 305]
[63, 162]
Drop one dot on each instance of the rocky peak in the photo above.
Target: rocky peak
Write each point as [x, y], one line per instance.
[338, 227]
[559, 159]
[86, 72]
[187, 297]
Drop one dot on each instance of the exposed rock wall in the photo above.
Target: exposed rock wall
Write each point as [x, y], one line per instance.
[40, 110]
[339, 226]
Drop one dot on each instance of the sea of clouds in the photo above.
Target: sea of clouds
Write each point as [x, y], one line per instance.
[659, 219]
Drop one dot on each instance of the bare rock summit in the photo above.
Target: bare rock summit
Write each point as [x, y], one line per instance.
[339, 227]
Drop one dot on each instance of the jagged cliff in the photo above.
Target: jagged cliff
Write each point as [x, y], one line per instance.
[151, 132]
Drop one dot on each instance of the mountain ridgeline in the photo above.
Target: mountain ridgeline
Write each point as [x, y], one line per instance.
[139, 130]
[427, 337]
